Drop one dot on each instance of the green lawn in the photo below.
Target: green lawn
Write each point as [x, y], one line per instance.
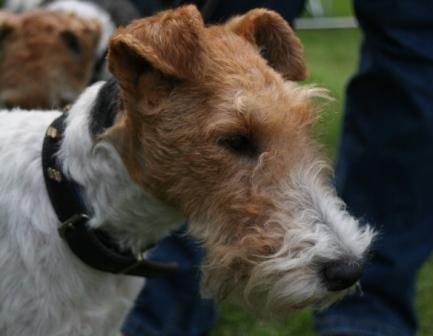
[336, 8]
[331, 57]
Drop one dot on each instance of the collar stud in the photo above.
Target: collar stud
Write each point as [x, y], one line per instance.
[54, 174]
[52, 132]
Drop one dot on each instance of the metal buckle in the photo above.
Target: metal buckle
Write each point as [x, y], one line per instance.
[152, 266]
[139, 258]
[70, 223]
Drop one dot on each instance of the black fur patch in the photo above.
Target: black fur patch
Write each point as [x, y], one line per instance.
[121, 12]
[105, 109]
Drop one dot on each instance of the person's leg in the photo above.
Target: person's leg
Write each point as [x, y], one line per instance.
[221, 10]
[172, 306]
[385, 165]
[148, 7]
[290, 10]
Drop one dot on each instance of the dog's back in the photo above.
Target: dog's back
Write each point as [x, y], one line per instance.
[40, 280]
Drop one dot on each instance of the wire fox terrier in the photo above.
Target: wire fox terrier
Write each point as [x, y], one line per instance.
[48, 55]
[204, 123]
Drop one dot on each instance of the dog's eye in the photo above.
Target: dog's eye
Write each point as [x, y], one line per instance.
[5, 31]
[241, 144]
[71, 41]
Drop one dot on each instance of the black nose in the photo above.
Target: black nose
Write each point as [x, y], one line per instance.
[339, 275]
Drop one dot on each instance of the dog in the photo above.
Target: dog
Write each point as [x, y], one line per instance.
[120, 12]
[71, 38]
[204, 123]
[48, 56]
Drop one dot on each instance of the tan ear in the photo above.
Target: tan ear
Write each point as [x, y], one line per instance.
[170, 42]
[275, 39]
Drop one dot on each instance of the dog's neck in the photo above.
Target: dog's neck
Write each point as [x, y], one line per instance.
[120, 207]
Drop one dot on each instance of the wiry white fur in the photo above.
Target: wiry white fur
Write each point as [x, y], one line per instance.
[315, 228]
[44, 289]
[118, 203]
[88, 10]
[318, 204]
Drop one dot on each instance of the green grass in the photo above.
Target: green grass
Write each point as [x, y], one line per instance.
[424, 303]
[331, 58]
[336, 8]
[339, 8]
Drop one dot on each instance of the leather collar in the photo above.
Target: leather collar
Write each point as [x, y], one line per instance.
[93, 247]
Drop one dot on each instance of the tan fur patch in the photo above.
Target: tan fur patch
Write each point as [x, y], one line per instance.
[46, 57]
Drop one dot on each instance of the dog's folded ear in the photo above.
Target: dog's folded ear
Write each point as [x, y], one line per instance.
[170, 42]
[277, 42]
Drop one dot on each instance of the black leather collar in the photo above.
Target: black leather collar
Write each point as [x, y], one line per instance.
[92, 246]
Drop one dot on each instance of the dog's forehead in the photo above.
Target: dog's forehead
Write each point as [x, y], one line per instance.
[237, 71]
[231, 55]
[50, 22]
[242, 80]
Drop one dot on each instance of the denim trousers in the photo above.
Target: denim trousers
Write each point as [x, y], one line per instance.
[385, 165]
[383, 173]
[171, 306]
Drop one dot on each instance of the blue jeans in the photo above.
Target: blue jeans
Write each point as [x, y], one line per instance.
[225, 9]
[172, 306]
[385, 166]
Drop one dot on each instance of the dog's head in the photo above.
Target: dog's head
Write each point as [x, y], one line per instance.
[46, 57]
[214, 124]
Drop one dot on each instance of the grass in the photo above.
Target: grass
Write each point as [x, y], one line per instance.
[336, 8]
[331, 58]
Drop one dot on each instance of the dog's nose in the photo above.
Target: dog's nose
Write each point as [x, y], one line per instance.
[339, 275]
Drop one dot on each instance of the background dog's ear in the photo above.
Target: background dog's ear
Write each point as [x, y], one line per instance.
[170, 42]
[277, 42]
